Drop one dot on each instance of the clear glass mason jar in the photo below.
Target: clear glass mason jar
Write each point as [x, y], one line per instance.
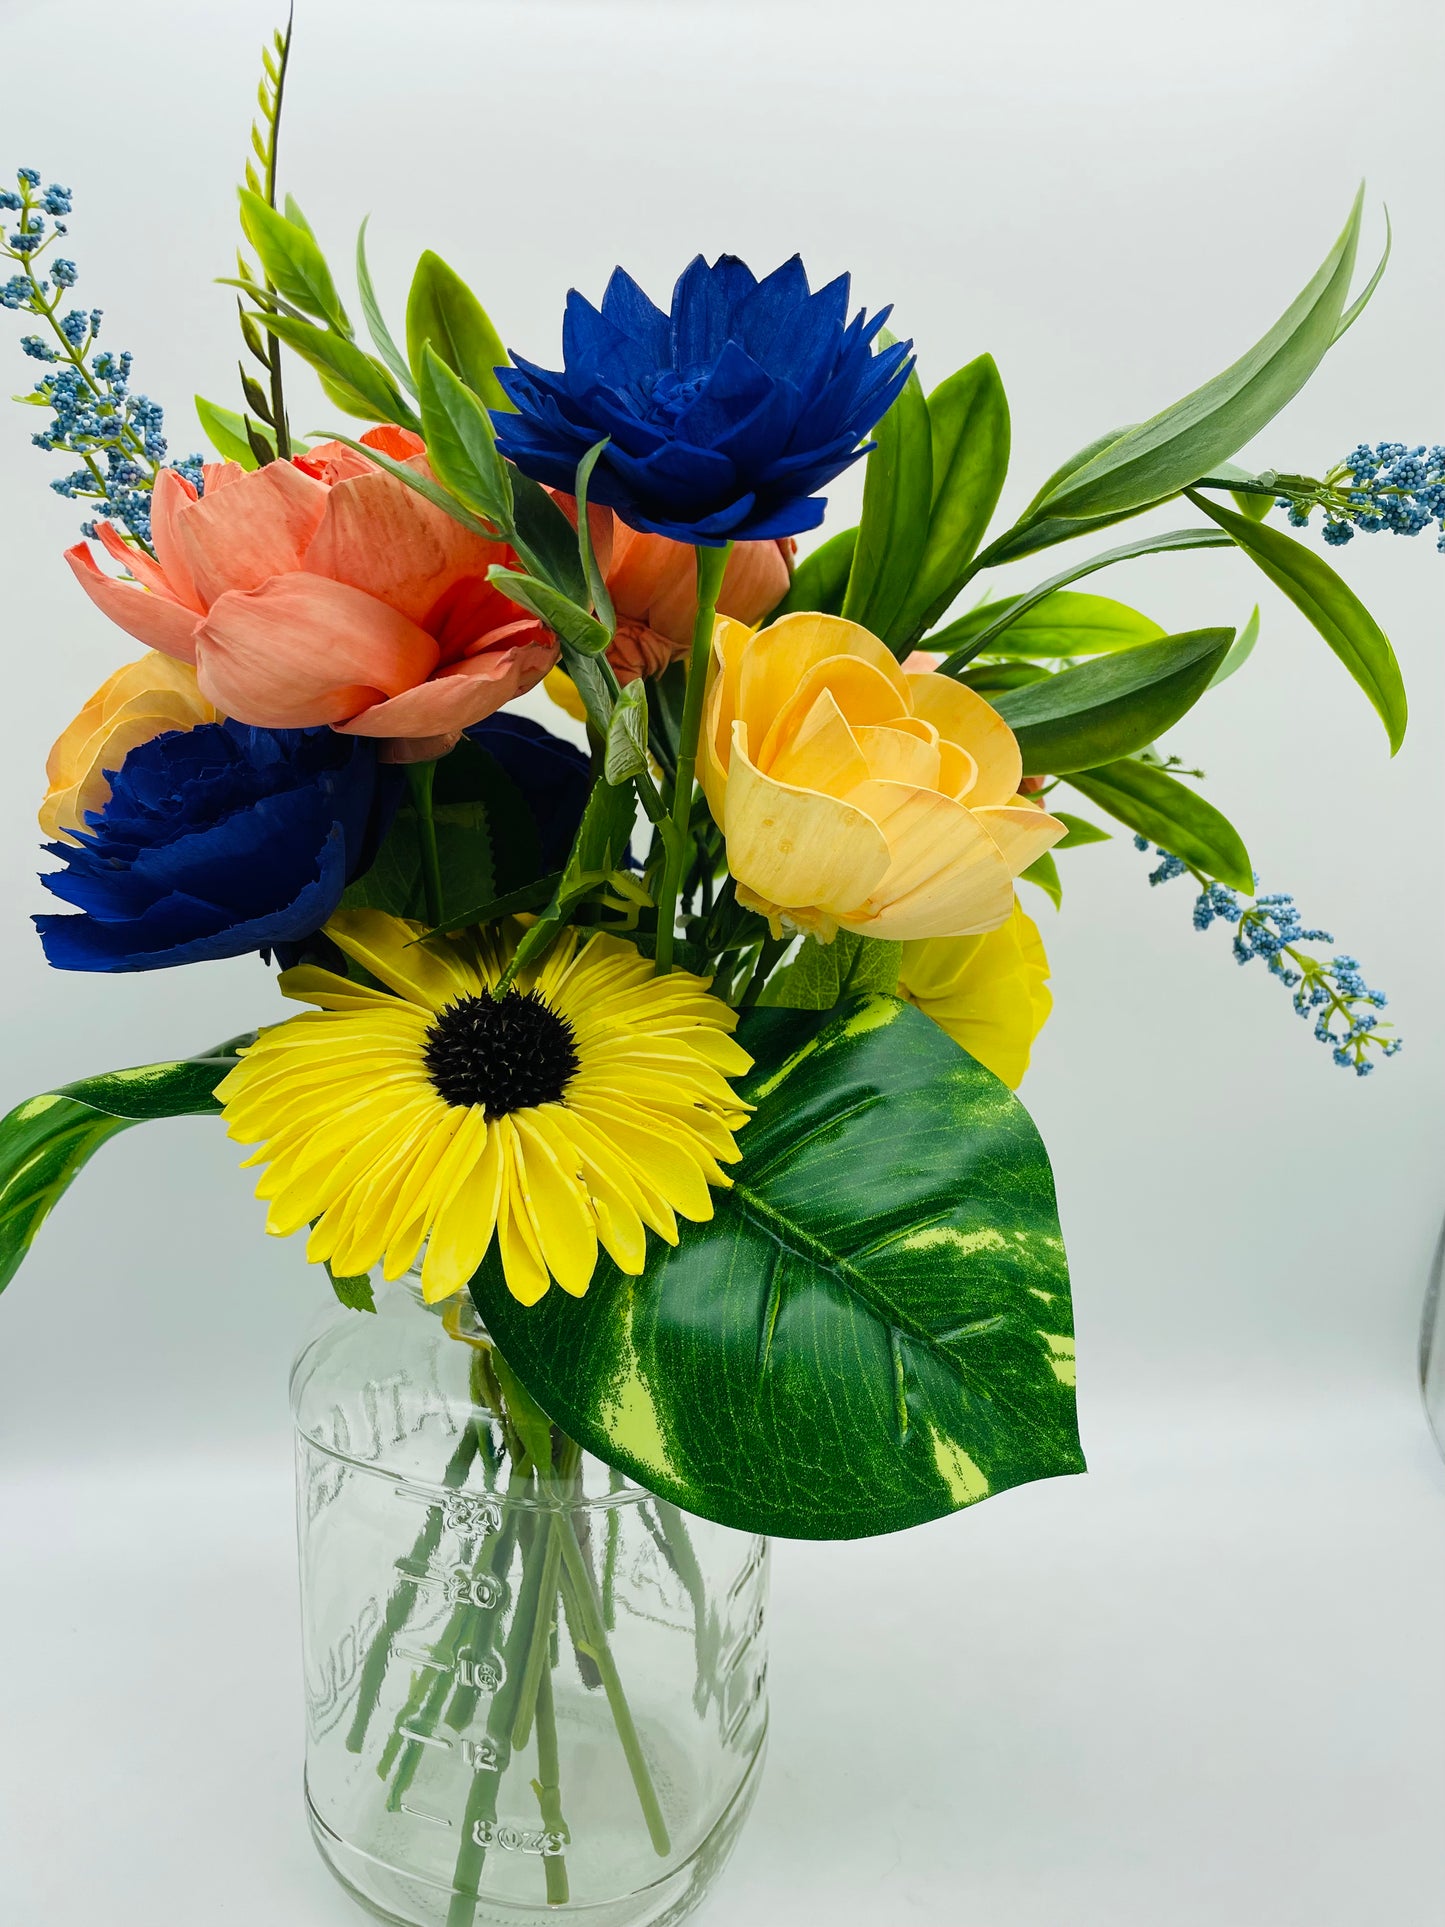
[1432, 1344]
[533, 1689]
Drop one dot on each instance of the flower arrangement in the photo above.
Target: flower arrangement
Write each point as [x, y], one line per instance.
[691, 1055]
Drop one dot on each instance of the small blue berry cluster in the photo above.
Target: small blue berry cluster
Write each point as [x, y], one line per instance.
[116, 435]
[1331, 991]
[1387, 488]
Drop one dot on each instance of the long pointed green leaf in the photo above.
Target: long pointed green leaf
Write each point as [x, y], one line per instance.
[226, 432]
[1330, 604]
[333, 354]
[47, 1140]
[1159, 806]
[964, 643]
[1114, 705]
[441, 309]
[897, 491]
[873, 1330]
[376, 327]
[968, 423]
[461, 445]
[292, 260]
[1063, 624]
[1182, 442]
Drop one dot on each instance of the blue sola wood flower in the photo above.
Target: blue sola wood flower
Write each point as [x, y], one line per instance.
[724, 417]
[215, 841]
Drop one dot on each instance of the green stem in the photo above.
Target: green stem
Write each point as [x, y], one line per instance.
[402, 1603]
[279, 424]
[548, 1789]
[711, 563]
[581, 1599]
[421, 777]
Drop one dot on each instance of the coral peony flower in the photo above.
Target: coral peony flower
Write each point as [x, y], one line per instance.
[723, 417]
[323, 590]
[588, 1105]
[215, 841]
[989, 993]
[854, 795]
[138, 702]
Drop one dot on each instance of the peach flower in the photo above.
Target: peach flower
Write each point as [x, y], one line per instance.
[141, 700]
[323, 590]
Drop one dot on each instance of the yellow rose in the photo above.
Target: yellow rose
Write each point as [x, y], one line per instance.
[855, 795]
[138, 702]
[989, 993]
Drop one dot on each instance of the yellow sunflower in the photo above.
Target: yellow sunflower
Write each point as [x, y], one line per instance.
[588, 1103]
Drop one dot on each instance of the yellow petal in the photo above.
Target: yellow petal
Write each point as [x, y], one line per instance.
[822, 753]
[797, 847]
[565, 1229]
[465, 1224]
[863, 692]
[961, 716]
[430, 974]
[945, 875]
[522, 1263]
[1022, 833]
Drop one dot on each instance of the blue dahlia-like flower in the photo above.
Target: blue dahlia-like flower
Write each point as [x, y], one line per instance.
[215, 841]
[724, 417]
[553, 777]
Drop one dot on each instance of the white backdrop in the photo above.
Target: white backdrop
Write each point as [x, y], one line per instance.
[1202, 1685]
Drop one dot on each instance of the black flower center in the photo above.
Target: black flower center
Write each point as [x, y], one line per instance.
[504, 1054]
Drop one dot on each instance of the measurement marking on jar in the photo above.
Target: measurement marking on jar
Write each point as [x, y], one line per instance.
[546, 1841]
[420, 1659]
[461, 1585]
[480, 1755]
[753, 1564]
[425, 1739]
[461, 1512]
[417, 1813]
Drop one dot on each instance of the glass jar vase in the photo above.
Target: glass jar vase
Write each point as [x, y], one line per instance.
[532, 1688]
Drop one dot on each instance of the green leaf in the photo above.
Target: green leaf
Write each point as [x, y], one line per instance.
[46, 1141]
[872, 1331]
[1170, 814]
[292, 261]
[1080, 829]
[360, 375]
[1240, 650]
[897, 492]
[1019, 606]
[396, 880]
[968, 423]
[591, 569]
[1362, 301]
[626, 753]
[225, 430]
[1034, 531]
[1045, 873]
[1330, 604]
[572, 624]
[1172, 449]
[595, 860]
[1065, 623]
[988, 678]
[820, 580]
[355, 1293]
[546, 540]
[461, 446]
[441, 309]
[1114, 705]
[376, 327]
[822, 973]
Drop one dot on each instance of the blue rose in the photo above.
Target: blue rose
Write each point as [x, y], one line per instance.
[724, 417]
[215, 841]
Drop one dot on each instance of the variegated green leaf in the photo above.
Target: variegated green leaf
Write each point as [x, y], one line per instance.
[875, 1327]
[45, 1141]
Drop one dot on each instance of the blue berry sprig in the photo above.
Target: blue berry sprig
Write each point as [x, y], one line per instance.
[114, 434]
[1389, 489]
[1331, 990]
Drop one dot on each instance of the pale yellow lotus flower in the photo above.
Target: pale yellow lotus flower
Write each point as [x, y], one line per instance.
[141, 700]
[989, 993]
[856, 795]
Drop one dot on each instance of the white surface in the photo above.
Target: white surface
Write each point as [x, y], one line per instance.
[1201, 1687]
